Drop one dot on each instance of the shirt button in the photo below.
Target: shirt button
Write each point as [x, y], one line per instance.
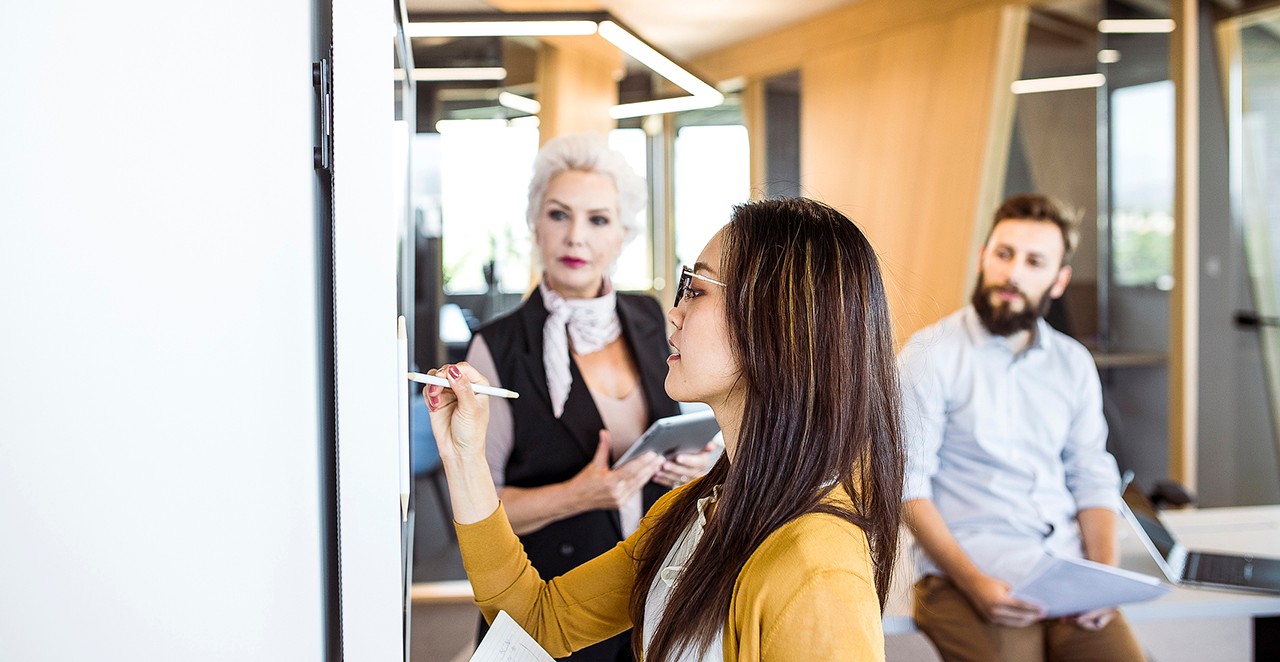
[566, 549]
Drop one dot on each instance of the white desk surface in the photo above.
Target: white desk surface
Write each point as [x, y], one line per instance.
[1249, 529]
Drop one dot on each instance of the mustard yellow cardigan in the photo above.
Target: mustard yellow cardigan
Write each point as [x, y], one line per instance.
[807, 593]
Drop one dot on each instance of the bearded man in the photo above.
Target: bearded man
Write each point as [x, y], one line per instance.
[1007, 459]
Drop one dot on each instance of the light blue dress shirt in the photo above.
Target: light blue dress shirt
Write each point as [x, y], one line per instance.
[1008, 446]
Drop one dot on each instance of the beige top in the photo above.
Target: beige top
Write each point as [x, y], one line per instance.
[660, 590]
[625, 419]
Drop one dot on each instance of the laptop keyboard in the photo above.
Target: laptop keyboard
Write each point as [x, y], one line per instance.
[1217, 569]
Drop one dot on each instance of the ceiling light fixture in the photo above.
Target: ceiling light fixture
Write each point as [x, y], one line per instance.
[1135, 25]
[447, 126]
[517, 102]
[438, 74]
[500, 28]
[486, 125]
[702, 94]
[1057, 83]
[528, 121]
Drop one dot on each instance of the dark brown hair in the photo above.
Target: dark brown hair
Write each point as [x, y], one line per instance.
[1040, 207]
[810, 328]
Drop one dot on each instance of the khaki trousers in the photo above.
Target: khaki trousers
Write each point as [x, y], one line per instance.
[945, 615]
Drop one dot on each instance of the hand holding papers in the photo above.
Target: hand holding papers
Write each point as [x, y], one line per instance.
[1073, 586]
[506, 641]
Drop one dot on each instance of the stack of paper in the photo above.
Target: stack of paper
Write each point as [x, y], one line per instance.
[506, 641]
[1073, 586]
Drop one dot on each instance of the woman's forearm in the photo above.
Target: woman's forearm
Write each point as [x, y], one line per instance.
[471, 489]
[595, 487]
[531, 508]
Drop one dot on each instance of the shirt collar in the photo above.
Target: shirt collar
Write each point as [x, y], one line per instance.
[687, 542]
[981, 337]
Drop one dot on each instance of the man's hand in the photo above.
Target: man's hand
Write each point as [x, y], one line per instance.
[993, 601]
[1094, 620]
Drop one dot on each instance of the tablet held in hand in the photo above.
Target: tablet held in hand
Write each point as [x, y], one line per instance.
[673, 434]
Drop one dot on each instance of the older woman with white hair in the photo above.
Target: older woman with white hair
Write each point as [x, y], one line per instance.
[589, 363]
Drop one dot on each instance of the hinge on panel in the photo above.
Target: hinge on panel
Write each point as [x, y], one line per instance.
[322, 80]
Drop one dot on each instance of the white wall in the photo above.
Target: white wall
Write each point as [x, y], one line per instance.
[365, 317]
[159, 457]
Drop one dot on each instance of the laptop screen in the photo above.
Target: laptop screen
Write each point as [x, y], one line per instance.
[1145, 512]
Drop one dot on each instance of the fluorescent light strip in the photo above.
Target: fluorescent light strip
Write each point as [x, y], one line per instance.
[704, 95]
[646, 55]
[660, 106]
[1135, 25]
[460, 126]
[446, 126]
[500, 29]
[1057, 84]
[517, 102]
[459, 73]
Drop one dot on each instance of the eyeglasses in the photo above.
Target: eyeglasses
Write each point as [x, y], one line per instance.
[686, 277]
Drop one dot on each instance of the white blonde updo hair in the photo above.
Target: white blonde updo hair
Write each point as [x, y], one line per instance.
[588, 152]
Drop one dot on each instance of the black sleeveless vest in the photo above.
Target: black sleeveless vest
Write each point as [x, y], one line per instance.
[547, 450]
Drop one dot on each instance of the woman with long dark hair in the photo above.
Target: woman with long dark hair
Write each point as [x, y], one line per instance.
[785, 549]
[590, 362]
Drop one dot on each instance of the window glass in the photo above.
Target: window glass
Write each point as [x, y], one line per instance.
[712, 174]
[485, 169]
[486, 166]
[634, 266]
[1142, 141]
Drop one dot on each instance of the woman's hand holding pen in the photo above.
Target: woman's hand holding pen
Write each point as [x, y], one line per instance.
[458, 416]
[459, 419]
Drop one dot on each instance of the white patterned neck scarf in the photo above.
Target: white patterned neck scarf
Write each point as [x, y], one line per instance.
[590, 323]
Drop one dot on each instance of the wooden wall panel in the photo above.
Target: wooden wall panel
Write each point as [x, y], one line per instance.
[1184, 335]
[792, 46]
[907, 133]
[754, 117]
[577, 84]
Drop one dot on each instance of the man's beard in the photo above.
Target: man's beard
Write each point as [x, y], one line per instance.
[1000, 319]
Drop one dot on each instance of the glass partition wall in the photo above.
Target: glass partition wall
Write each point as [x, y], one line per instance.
[1255, 131]
[1135, 233]
[472, 156]
[1054, 146]
[712, 175]
[1104, 144]
[1094, 126]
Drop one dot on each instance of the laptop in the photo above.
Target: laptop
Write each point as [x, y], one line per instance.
[1184, 566]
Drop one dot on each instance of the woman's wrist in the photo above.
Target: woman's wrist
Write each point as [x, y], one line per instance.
[471, 490]
[570, 500]
[461, 459]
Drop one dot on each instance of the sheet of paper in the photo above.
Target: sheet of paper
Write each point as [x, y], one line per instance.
[506, 641]
[1073, 586]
